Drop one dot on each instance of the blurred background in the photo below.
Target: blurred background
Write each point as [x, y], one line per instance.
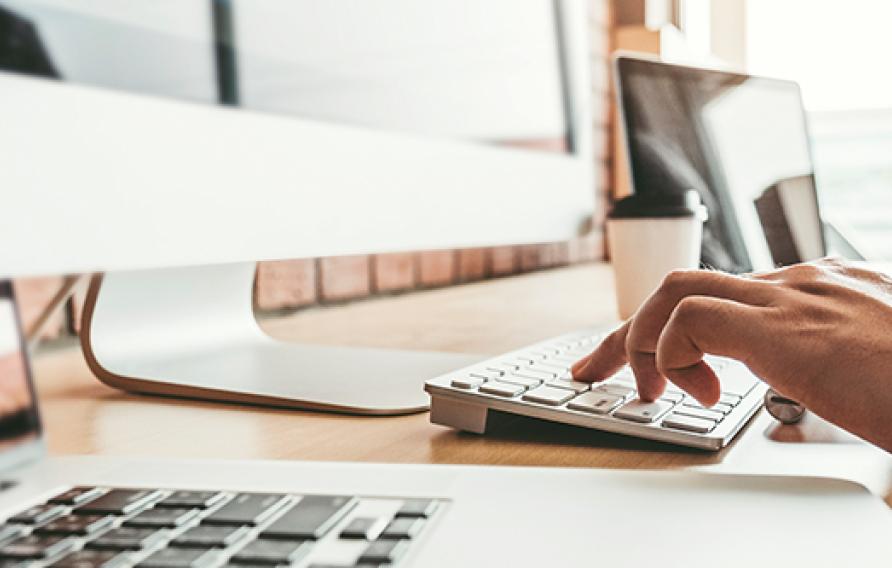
[836, 50]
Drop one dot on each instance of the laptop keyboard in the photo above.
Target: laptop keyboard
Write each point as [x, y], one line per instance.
[93, 527]
[536, 381]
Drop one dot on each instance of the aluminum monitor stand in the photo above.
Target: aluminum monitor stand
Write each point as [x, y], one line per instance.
[191, 332]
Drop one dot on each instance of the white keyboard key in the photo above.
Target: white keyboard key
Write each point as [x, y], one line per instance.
[570, 385]
[638, 411]
[552, 366]
[596, 402]
[499, 388]
[548, 395]
[467, 382]
[503, 369]
[729, 399]
[673, 397]
[534, 373]
[486, 374]
[615, 389]
[704, 413]
[522, 381]
[688, 423]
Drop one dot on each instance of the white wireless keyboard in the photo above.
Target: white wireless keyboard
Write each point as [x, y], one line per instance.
[536, 381]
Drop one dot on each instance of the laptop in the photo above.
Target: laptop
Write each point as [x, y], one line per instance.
[90, 512]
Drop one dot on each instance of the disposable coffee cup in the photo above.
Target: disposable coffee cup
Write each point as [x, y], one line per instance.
[649, 236]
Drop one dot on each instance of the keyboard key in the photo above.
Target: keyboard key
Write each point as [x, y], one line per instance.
[486, 375]
[8, 533]
[127, 538]
[311, 518]
[617, 390]
[688, 423]
[247, 509]
[552, 366]
[35, 547]
[76, 525]
[534, 373]
[673, 397]
[515, 379]
[729, 399]
[503, 369]
[548, 395]
[703, 413]
[162, 518]
[570, 384]
[468, 382]
[384, 552]
[363, 528]
[192, 499]
[423, 508]
[92, 559]
[77, 495]
[206, 536]
[718, 407]
[272, 552]
[596, 402]
[180, 558]
[38, 515]
[498, 388]
[119, 502]
[403, 528]
[638, 411]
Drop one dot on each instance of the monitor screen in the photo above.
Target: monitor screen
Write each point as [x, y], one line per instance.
[480, 71]
[19, 422]
[741, 142]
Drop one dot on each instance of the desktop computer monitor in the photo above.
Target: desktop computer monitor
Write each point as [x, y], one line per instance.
[171, 144]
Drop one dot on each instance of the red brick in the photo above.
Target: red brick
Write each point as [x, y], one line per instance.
[285, 284]
[33, 295]
[393, 272]
[502, 260]
[471, 264]
[436, 268]
[344, 277]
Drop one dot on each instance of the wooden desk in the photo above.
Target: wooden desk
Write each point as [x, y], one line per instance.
[86, 417]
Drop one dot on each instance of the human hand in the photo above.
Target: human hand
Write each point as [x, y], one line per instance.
[820, 333]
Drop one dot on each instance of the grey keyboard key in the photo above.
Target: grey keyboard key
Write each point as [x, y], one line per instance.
[8, 533]
[638, 411]
[119, 502]
[551, 396]
[180, 558]
[570, 384]
[76, 525]
[499, 388]
[403, 528]
[272, 552]
[77, 495]
[127, 538]
[616, 389]
[206, 536]
[517, 379]
[595, 402]
[192, 499]
[703, 413]
[162, 517]
[364, 528]
[92, 559]
[688, 423]
[384, 551]
[423, 508]
[311, 518]
[38, 515]
[247, 509]
[468, 382]
[35, 547]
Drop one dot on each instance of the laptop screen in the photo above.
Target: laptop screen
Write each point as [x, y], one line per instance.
[19, 423]
[741, 142]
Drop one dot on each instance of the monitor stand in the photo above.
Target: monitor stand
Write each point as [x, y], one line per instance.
[191, 332]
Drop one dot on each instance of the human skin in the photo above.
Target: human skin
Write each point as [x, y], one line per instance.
[819, 332]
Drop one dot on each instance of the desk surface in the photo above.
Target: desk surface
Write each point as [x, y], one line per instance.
[83, 416]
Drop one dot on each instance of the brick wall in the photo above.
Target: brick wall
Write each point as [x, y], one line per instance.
[292, 284]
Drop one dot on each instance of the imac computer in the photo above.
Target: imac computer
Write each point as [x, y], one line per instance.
[166, 146]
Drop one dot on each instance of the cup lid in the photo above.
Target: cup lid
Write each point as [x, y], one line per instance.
[655, 205]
